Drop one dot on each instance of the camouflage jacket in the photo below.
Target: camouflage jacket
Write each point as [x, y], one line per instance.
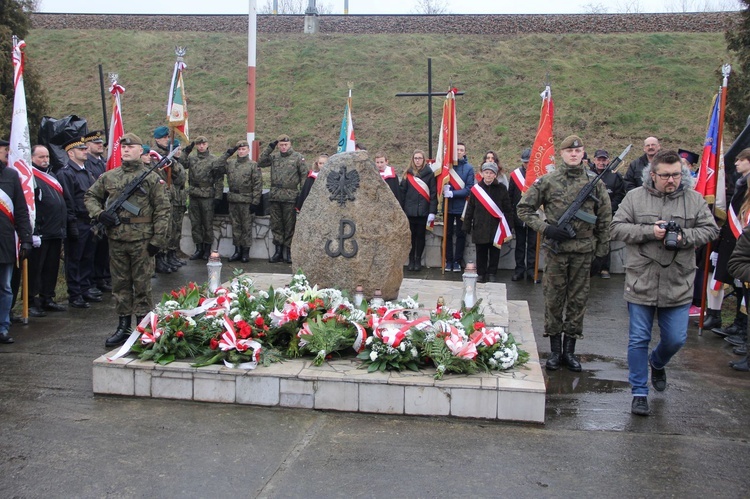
[151, 198]
[203, 169]
[288, 173]
[556, 191]
[177, 192]
[244, 180]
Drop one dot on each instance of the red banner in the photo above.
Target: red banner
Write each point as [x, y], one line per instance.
[116, 130]
[543, 151]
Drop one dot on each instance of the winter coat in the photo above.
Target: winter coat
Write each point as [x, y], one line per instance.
[634, 175]
[615, 187]
[739, 262]
[726, 243]
[413, 203]
[203, 170]
[244, 180]
[288, 173]
[11, 185]
[478, 221]
[458, 201]
[515, 195]
[52, 212]
[655, 275]
[556, 191]
[75, 181]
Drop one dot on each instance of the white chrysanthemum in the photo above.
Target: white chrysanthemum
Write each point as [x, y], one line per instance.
[373, 355]
[237, 317]
[414, 353]
[171, 305]
[503, 336]
[391, 350]
[402, 346]
[356, 315]
[190, 321]
[368, 341]
[254, 314]
[493, 362]
[263, 294]
[234, 310]
[232, 296]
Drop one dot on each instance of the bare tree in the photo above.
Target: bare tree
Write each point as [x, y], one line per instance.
[595, 8]
[430, 7]
[293, 7]
[629, 6]
[702, 5]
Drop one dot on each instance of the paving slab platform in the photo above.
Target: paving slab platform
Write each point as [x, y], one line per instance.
[341, 385]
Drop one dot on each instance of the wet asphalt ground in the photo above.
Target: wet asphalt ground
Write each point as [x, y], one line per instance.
[59, 440]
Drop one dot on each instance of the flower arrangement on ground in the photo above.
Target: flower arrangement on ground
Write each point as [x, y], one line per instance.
[242, 327]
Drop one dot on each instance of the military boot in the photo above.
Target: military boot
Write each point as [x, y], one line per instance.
[276, 257]
[236, 255]
[198, 252]
[173, 260]
[740, 365]
[553, 361]
[411, 263]
[161, 266]
[711, 320]
[568, 356]
[121, 333]
[206, 251]
[287, 254]
[245, 254]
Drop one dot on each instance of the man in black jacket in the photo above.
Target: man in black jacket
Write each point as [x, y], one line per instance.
[525, 251]
[14, 219]
[616, 190]
[634, 175]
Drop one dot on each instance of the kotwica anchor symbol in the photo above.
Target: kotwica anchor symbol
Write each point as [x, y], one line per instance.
[347, 229]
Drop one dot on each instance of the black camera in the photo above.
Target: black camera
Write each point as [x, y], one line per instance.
[670, 238]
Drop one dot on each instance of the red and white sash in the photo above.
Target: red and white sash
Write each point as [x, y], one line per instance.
[387, 173]
[503, 232]
[735, 223]
[49, 180]
[456, 181]
[419, 185]
[519, 179]
[6, 206]
[312, 174]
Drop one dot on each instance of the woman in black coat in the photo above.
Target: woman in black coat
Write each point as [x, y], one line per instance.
[419, 201]
[482, 225]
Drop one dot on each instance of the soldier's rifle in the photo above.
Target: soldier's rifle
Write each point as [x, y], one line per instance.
[575, 211]
[122, 200]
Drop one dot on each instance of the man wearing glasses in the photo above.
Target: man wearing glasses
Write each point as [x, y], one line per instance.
[661, 222]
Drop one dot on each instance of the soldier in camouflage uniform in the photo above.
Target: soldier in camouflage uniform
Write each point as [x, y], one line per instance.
[288, 173]
[567, 273]
[177, 189]
[136, 239]
[202, 173]
[245, 187]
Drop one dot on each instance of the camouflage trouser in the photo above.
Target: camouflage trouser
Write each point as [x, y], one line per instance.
[201, 213]
[131, 268]
[242, 224]
[566, 291]
[283, 219]
[175, 227]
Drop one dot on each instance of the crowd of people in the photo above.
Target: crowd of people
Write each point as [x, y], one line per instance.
[652, 209]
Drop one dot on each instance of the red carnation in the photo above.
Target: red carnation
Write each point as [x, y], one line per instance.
[180, 334]
[214, 344]
[478, 325]
[259, 321]
[456, 315]
[201, 300]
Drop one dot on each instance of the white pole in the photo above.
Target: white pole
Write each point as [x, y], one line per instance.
[252, 30]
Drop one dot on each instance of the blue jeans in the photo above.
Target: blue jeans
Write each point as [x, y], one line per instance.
[6, 295]
[673, 323]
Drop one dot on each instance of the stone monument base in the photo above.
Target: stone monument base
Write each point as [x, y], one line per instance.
[340, 385]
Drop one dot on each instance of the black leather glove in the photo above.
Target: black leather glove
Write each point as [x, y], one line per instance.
[24, 251]
[107, 219]
[189, 148]
[232, 150]
[556, 233]
[152, 250]
[73, 233]
[273, 144]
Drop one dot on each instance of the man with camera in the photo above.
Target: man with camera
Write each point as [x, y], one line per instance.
[661, 222]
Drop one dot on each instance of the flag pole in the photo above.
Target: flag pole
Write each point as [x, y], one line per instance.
[726, 69]
[104, 104]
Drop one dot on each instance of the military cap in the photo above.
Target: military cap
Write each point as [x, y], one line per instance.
[146, 150]
[76, 143]
[95, 136]
[691, 157]
[242, 143]
[131, 139]
[161, 132]
[490, 166]
[526, 155]
[601, 153]
[571, 141]
[201, 140]
[4, 143]
[283, 138]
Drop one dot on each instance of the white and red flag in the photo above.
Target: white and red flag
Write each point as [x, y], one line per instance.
[543, 151]
[116, 128]
[447, 151]
[347, 140]
[19, 154]
[177, 114]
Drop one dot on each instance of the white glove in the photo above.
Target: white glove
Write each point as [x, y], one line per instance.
[714, 257]
[36, 241]
[447, 192]
[430, 218]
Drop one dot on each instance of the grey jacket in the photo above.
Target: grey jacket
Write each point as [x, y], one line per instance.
[739, 262]
[654, 275]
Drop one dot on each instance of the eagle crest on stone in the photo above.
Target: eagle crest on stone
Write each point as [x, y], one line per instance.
[342, 185]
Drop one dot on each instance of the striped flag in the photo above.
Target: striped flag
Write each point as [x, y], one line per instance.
[116, 128]
[347, 141]
[177, 114]
[447, 150]
[706, 184]
[19, 154]
[543, 151]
